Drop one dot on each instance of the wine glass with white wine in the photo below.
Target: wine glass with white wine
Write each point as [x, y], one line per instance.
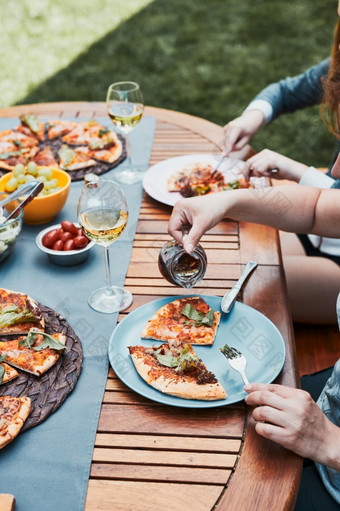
[103, 215]
[125, 107]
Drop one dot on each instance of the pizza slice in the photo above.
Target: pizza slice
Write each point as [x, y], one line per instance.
[13, 413]
[175, 369]
[196, 179]
[7, 373]
[35, 353]
[18, 313]
[57, 128]
[31, 126]
[187, 319]
[45, 158]
[20, 140]
[75, 159]
[109, 154]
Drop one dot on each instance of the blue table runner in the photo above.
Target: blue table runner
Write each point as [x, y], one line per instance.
[47, 467]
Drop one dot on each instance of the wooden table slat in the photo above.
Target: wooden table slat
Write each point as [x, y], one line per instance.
[161, 473]
[193, 443]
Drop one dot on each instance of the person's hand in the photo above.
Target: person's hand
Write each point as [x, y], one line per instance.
[265, 162]
[199, 214]
[291, 418]
[239, 131]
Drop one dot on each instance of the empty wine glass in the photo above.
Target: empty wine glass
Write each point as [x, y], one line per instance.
[125, 107]
[103, 215]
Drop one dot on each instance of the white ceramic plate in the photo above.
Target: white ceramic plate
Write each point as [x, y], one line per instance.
[155, 180]
[244, 328]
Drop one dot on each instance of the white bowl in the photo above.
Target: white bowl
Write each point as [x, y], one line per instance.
[63, 258]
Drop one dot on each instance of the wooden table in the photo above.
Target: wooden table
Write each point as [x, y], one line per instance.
[148, 456]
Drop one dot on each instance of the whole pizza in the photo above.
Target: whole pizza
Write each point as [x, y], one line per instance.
[76, 147]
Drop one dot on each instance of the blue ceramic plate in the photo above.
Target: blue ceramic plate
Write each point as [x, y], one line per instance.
[244, 328]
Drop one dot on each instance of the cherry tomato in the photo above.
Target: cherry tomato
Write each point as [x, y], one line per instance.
[60, 232]
[50, 238]
[80, 241]
[58, 245]
[69, 245]
[66, 236]
[69, 227]
[80, 232]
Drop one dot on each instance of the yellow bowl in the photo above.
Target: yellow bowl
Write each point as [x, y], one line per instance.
[43, 209]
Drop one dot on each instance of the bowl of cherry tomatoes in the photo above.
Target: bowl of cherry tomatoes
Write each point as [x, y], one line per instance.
[65, 243]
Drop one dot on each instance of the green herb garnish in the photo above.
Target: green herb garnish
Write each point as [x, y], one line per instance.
[180, 363]
[198, 318]
[230, 352]
[233, 185]
[103, 131]
[2, 369]
[48, 342]
[31, 121]
[66, 155]
[13, 315]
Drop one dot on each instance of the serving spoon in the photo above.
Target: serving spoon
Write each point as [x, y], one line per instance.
[34, 189]
[24, 189]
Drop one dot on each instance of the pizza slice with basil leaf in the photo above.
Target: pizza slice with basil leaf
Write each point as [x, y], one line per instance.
[7, 373]
[31, 126]
[175, 369]
[187, 319]
[18, 313]
[35, 353]
[75, 158]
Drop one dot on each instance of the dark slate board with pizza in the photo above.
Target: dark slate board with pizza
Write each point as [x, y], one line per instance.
[92, 142]
[48, 391]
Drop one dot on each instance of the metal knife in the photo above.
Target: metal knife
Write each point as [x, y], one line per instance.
[230, 297]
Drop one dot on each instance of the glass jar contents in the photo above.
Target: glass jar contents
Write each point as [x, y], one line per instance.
[180, 268]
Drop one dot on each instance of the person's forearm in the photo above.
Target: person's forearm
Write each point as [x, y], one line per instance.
[288, 208]
[329, 453]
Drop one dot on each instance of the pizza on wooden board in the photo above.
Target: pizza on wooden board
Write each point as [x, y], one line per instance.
[188, 319]
[175, 369]
[71, 146]
[13, 413]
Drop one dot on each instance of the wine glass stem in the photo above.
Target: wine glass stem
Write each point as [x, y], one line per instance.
[128, 150]
[107, 270]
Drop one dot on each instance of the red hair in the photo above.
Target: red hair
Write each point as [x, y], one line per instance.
[331, 85]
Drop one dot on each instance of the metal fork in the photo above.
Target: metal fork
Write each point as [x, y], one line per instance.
[236, 360]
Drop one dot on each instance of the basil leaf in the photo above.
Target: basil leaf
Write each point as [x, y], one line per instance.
[66, 154]
[13, 315]
[208, 319]
[166, 360]
[103, 131]
[2, 369]
[28, 340]
[191, 313]
[2, 373]
[31, 121]
[48, 342]
[198, 317]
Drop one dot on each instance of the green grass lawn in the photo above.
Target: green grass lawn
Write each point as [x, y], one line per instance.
[203, 57]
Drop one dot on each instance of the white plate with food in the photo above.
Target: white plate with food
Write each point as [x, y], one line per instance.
[162, 176]
[244, 328]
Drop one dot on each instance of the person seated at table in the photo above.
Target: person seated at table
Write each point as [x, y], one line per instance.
[285, 415]
[321, 269]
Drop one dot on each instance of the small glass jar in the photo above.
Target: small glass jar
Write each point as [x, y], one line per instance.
[180, 268]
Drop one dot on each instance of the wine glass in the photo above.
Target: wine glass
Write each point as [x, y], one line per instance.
[103, 215]
[125, 107]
